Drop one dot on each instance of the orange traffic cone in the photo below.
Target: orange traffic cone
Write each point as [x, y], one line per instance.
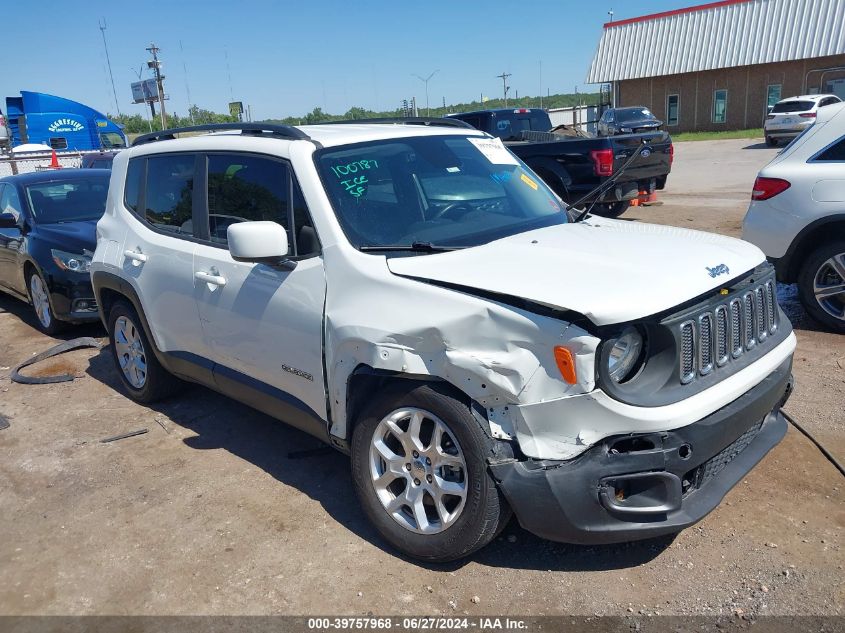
[54, 162]
[650, 198]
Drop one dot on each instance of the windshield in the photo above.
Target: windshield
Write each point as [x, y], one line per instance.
[792, 106]
[633, 114]
[442, 190]
[68, 200]
[111, 140]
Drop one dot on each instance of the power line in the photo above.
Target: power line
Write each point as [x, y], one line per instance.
[187, 87]
[102, 26]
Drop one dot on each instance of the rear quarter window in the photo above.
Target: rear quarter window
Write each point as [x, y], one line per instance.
[168, 194]
[132, 188]
[833, 153]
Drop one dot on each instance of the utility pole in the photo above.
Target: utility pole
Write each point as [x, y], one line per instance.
[156, 66]
[425, 81]
[505, 87]
[108, 62]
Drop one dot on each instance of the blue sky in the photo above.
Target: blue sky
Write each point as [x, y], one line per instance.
[285, 57]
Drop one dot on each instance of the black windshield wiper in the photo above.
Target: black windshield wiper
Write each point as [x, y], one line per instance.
[599, 191]
[416, 247]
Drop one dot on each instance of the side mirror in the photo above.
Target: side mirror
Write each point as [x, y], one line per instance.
[262, 242]
[8, 221]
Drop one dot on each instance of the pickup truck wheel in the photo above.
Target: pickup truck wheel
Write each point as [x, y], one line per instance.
[139, 370]
[419, 463]
[821, 285]
[611, 209]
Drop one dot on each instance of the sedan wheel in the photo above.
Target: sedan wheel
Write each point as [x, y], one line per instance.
[40, 301]
[40, 298]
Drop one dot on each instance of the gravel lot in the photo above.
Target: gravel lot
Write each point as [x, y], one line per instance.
[216, 510]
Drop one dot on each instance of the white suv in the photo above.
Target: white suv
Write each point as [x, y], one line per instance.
[797, 216]
[414, 295]
[789, 117]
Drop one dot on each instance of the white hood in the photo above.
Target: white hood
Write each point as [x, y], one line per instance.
[611, 271]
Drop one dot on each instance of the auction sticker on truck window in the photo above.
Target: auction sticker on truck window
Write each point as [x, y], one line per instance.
[494, 151]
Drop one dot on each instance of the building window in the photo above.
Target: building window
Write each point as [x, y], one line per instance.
[720, 106]
[672, 110]
[772, 95]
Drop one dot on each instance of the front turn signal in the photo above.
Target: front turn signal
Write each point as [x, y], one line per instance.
[566, 364]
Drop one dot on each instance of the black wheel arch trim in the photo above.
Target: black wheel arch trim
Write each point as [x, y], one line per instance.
[788, 267]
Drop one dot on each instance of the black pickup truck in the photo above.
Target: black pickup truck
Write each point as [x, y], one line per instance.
[573, 166]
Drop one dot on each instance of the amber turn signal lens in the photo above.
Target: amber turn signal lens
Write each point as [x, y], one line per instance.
[566, 364]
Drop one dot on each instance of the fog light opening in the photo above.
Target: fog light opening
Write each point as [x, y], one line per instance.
[685, 451]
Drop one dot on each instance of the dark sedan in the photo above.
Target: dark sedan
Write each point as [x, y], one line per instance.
[628, 121]
[47, 236]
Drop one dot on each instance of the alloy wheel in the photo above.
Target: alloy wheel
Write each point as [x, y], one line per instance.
[130, 352]
[40, 300]
[418, 470]
[829, 286]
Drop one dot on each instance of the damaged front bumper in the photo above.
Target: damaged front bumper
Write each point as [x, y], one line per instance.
[630, 487]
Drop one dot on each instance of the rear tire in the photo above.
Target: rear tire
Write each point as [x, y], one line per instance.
[821, 285]
[399, 489]
[142, 375]
[611, 209]
[770, 142]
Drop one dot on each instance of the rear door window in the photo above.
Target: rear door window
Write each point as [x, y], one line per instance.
[168, 196]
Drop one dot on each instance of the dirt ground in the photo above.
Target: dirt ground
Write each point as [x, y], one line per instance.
[218, 509]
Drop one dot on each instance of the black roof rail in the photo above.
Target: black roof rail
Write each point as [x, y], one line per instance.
[258, 129]
[418, 120]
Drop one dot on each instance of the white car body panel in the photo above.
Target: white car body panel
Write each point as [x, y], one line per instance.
[265, 322]
[541, 433]
[817, 188]
[569, 261]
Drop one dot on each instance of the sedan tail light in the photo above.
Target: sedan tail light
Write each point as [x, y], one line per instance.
[671, 153]
[808, 115]
[602, 161]
[765, 188]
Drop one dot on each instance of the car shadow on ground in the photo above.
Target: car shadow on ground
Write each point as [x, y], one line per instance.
[758, 146]
[296, 459]
[26, 314]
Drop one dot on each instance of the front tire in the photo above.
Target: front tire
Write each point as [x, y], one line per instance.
[39, 296]
[821, 285]
[142, 375]
[419, 465]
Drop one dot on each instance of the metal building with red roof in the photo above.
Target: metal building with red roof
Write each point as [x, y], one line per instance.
[719, 65]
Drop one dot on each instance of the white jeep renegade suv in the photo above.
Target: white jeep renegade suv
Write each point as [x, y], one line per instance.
[414, 295]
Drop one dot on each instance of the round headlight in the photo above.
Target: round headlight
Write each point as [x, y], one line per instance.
[624, 352]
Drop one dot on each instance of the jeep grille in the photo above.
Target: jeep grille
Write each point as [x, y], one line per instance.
[715, 336]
